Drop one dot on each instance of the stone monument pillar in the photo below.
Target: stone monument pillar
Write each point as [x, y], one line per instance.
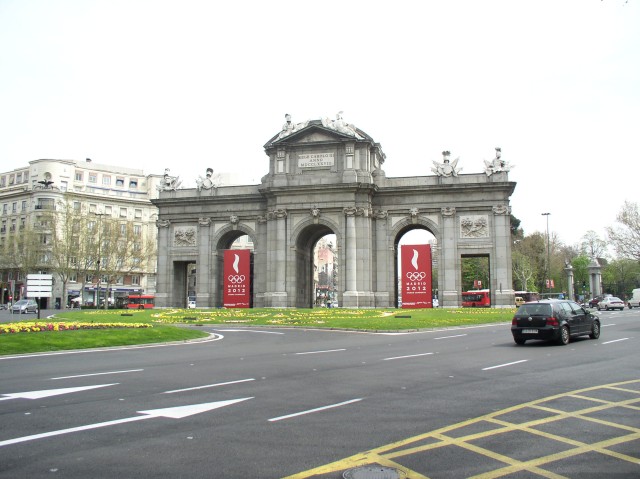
[595, 277]
[570, 290]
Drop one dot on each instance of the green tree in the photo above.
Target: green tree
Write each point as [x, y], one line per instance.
[626, 238]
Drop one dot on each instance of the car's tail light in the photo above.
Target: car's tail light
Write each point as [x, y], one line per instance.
[552, 321]
[514, 321]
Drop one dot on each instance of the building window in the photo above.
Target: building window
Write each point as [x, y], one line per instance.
[120, 280]
[76, 206]
[108, 210]
[63, 186]
[14, 208]
[135, 279]
[133, 183]
[93, 177]
[79, 176]
[106, 180]
[4, 209]
[123, 212]
[138, 213]
[73, 278]
[137, 231]
[3, 181]
[24, 205]
[119, 181]
[123, 229]
[92, 208]
[19, 178]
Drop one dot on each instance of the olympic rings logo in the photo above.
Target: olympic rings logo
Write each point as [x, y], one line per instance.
[416, 276]
[236, 278]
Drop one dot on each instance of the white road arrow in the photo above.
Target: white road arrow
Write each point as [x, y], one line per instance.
[172, 412]
[50, 392]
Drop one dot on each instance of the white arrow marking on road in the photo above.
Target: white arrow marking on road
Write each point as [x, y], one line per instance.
[50, 392]
[171, 412]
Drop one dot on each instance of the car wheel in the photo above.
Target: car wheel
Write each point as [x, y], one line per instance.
[595, 330]
[520, 341]
[564, 336]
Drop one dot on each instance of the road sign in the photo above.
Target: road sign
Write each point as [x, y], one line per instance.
[39, 285]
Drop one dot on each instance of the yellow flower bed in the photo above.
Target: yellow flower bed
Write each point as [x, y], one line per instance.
[36, 327]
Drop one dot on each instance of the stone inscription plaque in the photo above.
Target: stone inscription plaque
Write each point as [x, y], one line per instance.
[315, 160]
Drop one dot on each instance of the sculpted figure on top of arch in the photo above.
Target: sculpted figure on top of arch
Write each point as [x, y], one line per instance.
[497, 164]
[447, 167]
[208, 182]
[340, 126]
[289, 127]
[169, 183]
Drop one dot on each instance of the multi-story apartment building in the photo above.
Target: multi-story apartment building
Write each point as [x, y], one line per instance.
[29, 195]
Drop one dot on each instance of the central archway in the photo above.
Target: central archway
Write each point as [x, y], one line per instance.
[305, 265]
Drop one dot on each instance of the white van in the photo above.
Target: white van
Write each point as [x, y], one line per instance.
[634, 301]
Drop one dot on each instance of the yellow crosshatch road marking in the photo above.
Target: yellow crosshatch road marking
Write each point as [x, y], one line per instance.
[557, 426]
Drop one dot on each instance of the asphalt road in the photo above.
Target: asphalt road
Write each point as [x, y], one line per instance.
[270, 403]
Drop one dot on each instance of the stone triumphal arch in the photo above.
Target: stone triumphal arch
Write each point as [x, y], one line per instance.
[326, 177]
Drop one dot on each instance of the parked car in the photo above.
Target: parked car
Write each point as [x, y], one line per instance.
[593, 302]
[554, 320]
[611, 302]
[191, 304]
[25, 306]
[519, 301]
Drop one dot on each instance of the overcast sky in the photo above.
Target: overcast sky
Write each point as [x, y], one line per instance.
[187, 85]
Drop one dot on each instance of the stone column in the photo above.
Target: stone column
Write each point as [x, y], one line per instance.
[164, 283]
[502, 283]
[570, 290]
[384, 261]
[203, 265]
[276, 294]
[351, 259]
[448, 266]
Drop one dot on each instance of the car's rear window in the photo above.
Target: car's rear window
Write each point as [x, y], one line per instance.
[534, 309]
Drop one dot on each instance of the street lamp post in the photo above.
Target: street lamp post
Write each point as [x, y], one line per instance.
[548, 267]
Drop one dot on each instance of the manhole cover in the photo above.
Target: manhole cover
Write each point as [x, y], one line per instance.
[371, 472]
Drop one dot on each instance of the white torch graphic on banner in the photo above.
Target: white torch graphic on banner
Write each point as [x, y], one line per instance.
[415, 276]
[236, 278]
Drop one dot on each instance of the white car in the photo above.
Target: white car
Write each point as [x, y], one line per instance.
[611, 302]
[191, 304]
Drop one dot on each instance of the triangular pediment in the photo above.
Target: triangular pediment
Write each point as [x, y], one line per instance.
[312, 132]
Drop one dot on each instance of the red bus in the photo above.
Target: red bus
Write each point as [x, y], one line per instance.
[140, 301]
[479, 298]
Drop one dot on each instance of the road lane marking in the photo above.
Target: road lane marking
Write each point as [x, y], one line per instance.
[98, 374]
[506, 364]
[409, 356]
[172, 413]
[209, 386]
[51, 392]
[447, 337]
[320, 352]
[309, 411]
[248, 331]
[614, 341]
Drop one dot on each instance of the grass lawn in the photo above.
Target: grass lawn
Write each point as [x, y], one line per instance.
[163, 321]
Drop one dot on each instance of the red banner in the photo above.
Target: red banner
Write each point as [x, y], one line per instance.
[237, 278]
[416, 276]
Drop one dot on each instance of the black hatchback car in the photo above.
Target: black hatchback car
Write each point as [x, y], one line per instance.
[555, 320]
